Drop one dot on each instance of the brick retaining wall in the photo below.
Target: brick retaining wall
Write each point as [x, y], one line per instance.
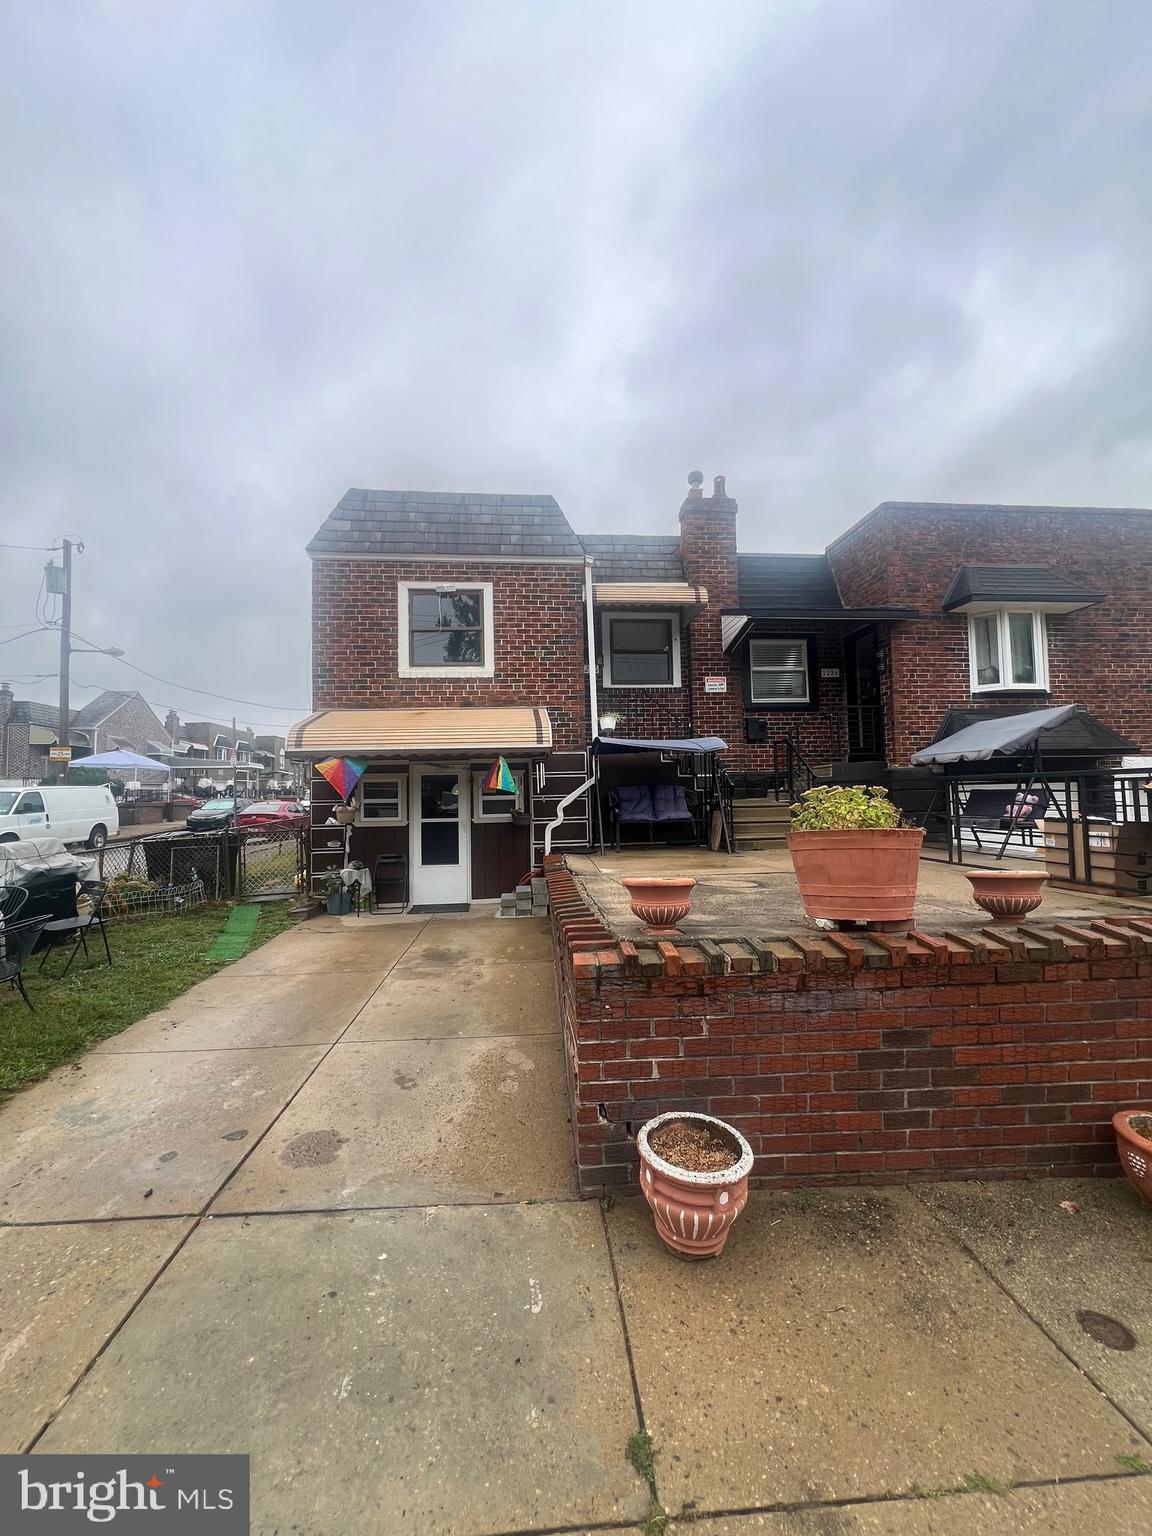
[986, 1054]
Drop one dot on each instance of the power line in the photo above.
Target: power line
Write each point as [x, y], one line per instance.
[40, 628]
[44, 549]
[275, 727]
[287, 709]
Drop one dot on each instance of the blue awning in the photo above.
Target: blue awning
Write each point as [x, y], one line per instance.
[610, 744]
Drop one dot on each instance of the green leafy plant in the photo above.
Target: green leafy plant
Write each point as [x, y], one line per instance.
[844, 808]
[1135, 1464]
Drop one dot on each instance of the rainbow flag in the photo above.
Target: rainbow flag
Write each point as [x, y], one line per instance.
[500, 779]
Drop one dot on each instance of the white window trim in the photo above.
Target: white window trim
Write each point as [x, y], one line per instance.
[405, 667]
[792, 703]
[1004, 654]
[399, 820]
[672, 617]
[517, 804]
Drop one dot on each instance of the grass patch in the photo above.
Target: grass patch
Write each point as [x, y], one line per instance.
[656, 1520]
[153, 960]
[980, 1482]
[641, 1453]
[1135, 1464]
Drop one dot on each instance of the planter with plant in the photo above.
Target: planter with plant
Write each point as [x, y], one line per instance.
[694, 1173]
[1133, 1129]
[338, 897]
[854, 861]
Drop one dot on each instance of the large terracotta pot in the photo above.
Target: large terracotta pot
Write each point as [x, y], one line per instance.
[661, 904]
[1135, 1152]
[1007, 893]
[694, 1212]
[866, 876]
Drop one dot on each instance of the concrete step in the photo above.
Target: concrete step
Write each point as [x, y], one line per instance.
[757, 812]
[748, 843]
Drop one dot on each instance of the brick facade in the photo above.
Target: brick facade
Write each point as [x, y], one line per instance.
[538, 623]
[1099, 658]
[859, 1060]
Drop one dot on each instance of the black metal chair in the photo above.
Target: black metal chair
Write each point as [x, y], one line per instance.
[77, 927]
[17, 941]
[12, 899]
[393, 869]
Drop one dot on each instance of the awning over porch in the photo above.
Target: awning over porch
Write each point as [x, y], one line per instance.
[612, 744]
[1004, 734]
[376, 732]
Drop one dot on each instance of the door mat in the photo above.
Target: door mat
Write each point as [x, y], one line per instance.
[236, 934]
[448, 906]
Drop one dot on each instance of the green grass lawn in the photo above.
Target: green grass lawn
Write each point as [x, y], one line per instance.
[154, 960]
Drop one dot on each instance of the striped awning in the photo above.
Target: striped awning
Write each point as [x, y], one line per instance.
[372, 732]
[649, 594]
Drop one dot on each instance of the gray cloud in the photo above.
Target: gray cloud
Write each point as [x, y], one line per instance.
[256, 253]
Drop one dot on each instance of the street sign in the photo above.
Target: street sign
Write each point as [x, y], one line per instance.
[59, 754]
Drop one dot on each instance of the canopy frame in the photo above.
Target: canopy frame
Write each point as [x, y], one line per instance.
[716, 796]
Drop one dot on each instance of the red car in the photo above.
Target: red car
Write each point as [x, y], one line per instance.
[273, 816]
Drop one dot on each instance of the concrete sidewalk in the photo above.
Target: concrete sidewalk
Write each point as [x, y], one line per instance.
[321, 1209]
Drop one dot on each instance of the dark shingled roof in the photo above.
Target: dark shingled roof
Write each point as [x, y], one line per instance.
[101, 706]
[783, 582]
[397, 523]
[30, 712]
[1081, 736]
[633, 557]
[1014, 584]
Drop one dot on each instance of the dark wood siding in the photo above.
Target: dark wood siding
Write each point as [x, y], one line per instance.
[501, 855]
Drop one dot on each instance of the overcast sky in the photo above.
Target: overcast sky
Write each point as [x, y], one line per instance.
[253, 254]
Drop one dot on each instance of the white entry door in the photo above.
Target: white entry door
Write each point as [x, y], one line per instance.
[439, 820]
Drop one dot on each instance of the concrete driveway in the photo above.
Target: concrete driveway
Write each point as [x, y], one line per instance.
[321, 1210]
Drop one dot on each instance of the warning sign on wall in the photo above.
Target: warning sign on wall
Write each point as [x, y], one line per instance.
[715, 685]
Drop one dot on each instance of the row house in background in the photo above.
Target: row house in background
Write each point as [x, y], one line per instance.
[114, 721]
[210, 757]
[450, 628]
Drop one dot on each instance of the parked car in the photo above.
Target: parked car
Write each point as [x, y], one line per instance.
[74, 813]
[215, 815]
[274, 815]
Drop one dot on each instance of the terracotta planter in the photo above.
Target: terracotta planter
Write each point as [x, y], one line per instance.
[1135, 1153]
[1007, 893]
[866, 876]
[660, 904]
[694, 1212]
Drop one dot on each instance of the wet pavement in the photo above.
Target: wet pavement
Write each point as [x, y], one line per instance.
[321, 1209]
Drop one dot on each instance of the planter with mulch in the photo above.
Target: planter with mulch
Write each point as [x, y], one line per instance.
[1133, 1129]
[694, 1173]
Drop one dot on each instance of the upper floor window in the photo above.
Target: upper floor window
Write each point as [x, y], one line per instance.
[445, 630]
[778, 671]
[641, 650]
[1007, 649]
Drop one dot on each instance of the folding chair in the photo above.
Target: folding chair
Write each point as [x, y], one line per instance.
[77, 927]
[17, 941]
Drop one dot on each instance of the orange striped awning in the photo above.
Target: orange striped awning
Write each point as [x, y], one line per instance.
[645, 594]
[370, 732]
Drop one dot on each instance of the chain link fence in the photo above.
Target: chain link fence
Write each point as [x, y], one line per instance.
[170, 872]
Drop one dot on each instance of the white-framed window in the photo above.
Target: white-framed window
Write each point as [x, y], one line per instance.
[383, 799]
[496, 806]
[445, 629]
[1007, 649]
[778, 670]
[641, 650]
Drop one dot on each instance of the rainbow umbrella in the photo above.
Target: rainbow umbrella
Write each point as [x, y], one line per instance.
[500, 779]
[343, 773]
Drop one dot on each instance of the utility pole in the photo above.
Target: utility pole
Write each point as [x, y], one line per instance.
[63, 727]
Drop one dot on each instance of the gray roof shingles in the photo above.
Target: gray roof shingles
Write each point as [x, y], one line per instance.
[1014, 584]
[393, 524]
[784, 582]
[633, 557]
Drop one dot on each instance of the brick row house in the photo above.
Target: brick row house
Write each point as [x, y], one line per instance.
[448, 629]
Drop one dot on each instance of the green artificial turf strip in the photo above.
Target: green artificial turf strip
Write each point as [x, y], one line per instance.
[155, 959]
[236, 933]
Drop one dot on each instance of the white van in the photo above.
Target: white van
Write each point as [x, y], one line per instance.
[75, 813]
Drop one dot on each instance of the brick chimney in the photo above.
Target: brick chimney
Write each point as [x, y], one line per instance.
[6, 701]
[708, 555]
[172, 725]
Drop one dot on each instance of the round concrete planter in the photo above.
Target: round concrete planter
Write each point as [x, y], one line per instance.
[867, 875]
[660, 904]
[1007, 893]
[694, 1212]
[1135, 1153]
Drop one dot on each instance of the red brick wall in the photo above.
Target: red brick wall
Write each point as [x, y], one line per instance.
[1098, 658]
[538, 618]
[863, 1061]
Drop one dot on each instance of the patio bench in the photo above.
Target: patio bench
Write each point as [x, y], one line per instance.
[991, 810]
[649, 805]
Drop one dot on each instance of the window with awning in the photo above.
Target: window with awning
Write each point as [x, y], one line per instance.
[778, 670]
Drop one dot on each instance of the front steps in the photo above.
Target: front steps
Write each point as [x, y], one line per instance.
[760, 823]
